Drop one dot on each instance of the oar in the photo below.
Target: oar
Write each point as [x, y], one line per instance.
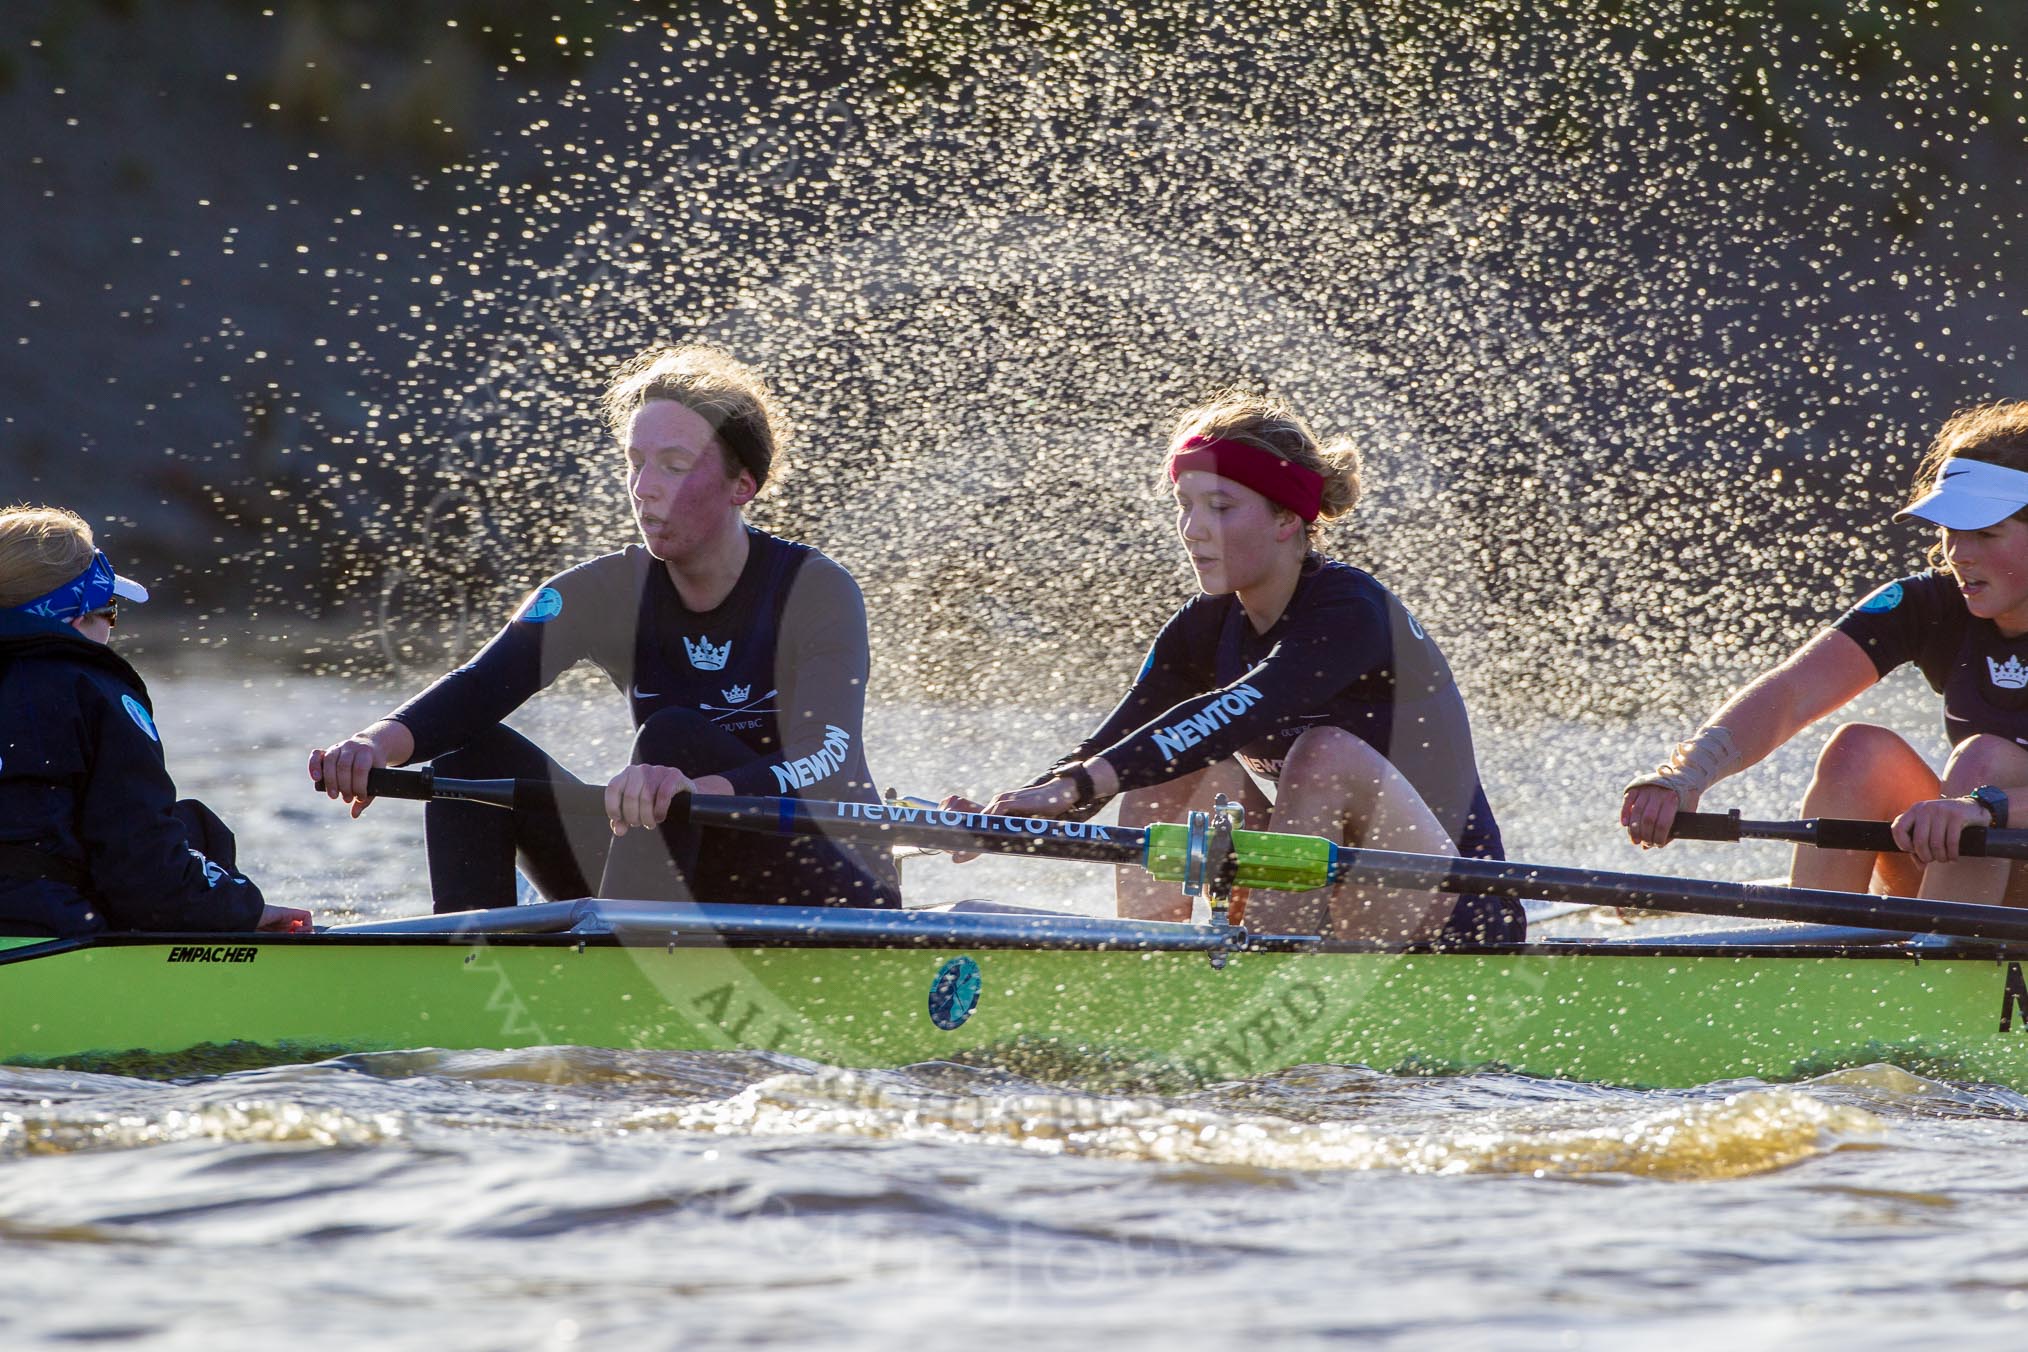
[879, 822]
[1838, 833]
[1264, 859]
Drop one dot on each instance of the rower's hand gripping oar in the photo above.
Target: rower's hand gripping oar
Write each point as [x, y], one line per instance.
[519, 795]
[1262, 859]
[1839, 833]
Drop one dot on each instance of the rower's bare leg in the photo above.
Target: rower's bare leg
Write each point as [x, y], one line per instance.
[1870, 773]
[1984, 759]
[1336, 785]
[1141, 897]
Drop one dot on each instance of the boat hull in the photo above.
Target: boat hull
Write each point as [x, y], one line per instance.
[1624, 1014]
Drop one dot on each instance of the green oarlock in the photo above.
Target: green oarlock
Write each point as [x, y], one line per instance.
[1164, 848]
[1267, 859]
[1283, 863]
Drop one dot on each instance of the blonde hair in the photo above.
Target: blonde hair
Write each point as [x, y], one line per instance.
[1274, 426]
[717, 387]
[1995, 433]
[41, 548]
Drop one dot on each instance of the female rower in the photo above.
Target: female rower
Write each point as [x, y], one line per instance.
[92, 836]
[1299, 670]
[1964, 623]
[743, 658]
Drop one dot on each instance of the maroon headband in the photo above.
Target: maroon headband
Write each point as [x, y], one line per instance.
[1279, 481]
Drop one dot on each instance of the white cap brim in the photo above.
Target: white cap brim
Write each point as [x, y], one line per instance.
[1970, 495]
[128, 590]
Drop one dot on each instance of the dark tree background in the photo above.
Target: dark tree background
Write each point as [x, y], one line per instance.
[308, 300]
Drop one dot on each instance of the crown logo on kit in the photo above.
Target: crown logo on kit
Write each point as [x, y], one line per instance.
[2010, 675]
[738, 694]
[705, 657]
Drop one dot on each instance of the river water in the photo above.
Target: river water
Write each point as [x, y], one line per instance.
[562, 1197]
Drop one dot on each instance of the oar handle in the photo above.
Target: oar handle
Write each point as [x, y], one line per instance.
[419, 785]
[1839, 833]
[1728, 826]
[520, 795]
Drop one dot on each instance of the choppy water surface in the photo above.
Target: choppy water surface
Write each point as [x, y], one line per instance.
[536, 1198]
[565, 1196]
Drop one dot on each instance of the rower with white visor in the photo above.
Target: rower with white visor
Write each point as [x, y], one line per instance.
[1963, 622]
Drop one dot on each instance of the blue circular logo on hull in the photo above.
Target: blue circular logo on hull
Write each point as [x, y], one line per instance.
[954, 994]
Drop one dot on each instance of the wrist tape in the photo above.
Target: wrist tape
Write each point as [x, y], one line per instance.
[1696, 765]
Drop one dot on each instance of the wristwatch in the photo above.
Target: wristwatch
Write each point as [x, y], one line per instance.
[1993, 800]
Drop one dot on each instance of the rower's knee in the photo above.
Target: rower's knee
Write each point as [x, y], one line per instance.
[1170, 800]
[1334, 757]
[493, 752]
[1866, 770]
[1853, 748]
[1984, 759]
[1331, 749]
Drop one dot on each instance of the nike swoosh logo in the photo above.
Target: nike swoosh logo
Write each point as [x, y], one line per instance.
[639, 693]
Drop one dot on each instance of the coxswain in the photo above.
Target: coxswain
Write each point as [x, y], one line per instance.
[92, 835]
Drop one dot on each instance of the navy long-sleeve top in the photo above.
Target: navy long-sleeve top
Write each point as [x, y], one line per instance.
[781, 662]
[1344, 653]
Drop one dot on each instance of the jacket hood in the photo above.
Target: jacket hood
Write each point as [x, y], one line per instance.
[24, 635]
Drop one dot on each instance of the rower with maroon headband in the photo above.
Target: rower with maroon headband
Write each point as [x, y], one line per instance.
[1292, 674]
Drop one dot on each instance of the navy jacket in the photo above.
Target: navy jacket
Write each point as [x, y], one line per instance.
[82, 781]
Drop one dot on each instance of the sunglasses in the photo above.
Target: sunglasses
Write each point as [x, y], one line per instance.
[110, 613]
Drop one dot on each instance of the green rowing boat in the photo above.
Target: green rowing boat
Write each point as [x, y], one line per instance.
[1934, 986]
[921, 986]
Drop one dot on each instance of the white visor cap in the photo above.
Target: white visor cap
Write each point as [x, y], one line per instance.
[128, 590]
[1970, 495]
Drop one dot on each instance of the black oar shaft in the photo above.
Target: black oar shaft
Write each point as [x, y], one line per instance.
[876, 823]
[1839, 833]
[1760, 901]
[936, 828]
[1122, 845]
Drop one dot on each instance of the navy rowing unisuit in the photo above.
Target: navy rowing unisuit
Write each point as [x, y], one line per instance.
[1345, 653]
[1981, 673]
[767, 689]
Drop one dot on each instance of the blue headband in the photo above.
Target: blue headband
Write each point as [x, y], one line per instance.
[88, 591]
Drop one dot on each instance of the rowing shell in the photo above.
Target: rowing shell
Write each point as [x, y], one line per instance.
[886, 988]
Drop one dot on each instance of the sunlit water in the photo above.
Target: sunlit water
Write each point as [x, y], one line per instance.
[542, 1198]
